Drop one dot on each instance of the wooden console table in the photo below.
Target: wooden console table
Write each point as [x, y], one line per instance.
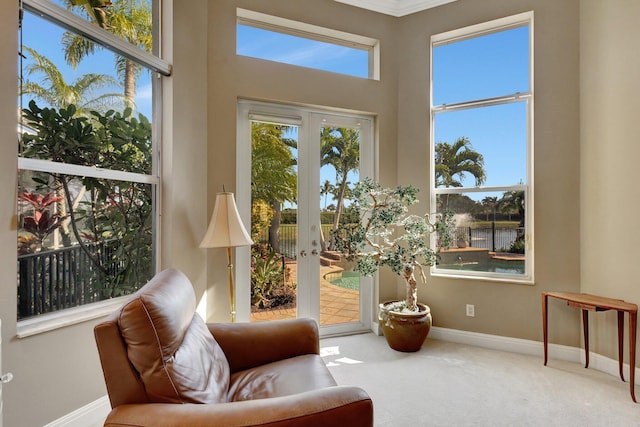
[587, 303]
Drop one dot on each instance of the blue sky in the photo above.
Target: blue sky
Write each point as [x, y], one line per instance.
[479, 68]
[263, 44]
[45, 38]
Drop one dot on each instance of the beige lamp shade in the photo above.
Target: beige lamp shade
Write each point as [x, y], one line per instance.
[225, 229]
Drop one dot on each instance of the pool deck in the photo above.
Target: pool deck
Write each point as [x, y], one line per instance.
[337, 304]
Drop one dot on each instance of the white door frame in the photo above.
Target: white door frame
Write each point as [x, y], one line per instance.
[309, 120]
[1, 375]
[4, 378]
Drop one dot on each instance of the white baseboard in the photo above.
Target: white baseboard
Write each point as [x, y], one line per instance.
[94, 414]
[533, 348]
[90, 415]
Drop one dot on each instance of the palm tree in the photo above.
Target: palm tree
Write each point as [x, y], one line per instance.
[273, 176]
[340, 147]
[129, 20]
[326, 189]
[59, 94]
[489, 203]
[96, 9]
[452, 161]
[514, 201]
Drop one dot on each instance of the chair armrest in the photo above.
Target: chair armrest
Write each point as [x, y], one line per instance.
[335, 406]
[248, 345]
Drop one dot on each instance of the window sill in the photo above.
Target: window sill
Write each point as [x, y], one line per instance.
[508, 279]
[68, 317]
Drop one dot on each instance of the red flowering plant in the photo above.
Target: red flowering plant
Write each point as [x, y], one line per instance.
[41, 223]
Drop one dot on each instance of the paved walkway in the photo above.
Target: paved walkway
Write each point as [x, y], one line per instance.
[337, 304]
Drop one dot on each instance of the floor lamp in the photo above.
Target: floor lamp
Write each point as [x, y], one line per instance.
[226, 231]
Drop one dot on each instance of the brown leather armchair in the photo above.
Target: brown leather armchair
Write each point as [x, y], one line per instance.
[164, 366]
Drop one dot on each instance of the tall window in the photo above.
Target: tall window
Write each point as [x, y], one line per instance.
[87, 178]
[481, 147]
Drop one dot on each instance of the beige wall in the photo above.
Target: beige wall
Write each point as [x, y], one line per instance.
[58, 371]
[184, 156]
[610, 108]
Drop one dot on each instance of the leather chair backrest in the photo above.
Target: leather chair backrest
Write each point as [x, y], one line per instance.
[171, 357]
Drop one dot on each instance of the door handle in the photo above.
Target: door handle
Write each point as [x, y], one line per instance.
[314, 252]
[6, 378]
[303, 253]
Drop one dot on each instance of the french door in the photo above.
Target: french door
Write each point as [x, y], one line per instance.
[296, 167]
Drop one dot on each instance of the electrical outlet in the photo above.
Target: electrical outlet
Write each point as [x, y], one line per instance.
[471, 310]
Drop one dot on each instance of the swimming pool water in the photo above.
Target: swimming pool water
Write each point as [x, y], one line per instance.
[348, 279]
[505, 267]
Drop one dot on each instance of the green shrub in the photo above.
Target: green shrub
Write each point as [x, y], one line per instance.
[269, 288]
[517, 247]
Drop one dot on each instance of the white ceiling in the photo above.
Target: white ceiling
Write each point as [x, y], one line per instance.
[396, 7]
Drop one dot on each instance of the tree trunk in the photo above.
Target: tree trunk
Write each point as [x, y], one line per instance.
[61, 208]
[412, 289]
[445, 202]
[274, 227]
[129, 84]
[323, 242]
[339, 206]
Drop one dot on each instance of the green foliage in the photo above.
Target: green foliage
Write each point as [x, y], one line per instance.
[117, 214]
[458, 203]
[269, 288]
[129, 20]
[273, 175]
[518, 246]
[261, 215]
[452, 161]
[514, 201]
[60, 136]
[340, 148]
[58, 93]
[290, 216]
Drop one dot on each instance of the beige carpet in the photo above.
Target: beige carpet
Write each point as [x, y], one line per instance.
[448, 384]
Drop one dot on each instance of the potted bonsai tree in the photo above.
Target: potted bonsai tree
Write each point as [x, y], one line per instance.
[388, 235]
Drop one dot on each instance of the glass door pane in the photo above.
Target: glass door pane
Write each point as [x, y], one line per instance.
[339, 171]
[274, 228]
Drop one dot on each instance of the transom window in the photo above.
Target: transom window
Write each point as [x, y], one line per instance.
[481, 147]
[296, 43]
[87, 178]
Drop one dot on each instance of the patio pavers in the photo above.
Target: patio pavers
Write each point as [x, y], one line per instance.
[337, 304]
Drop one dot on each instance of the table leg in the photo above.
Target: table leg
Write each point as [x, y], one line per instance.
[585, 327]
[633, 322]
[544, 326]
[620, 343]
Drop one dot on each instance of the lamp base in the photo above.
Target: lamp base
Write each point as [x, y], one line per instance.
[232, 294]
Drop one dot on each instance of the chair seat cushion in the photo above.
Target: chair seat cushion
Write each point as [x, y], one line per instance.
[285, 377]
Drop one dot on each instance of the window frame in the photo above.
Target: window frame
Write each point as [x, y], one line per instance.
[462, 34]
[58, 16]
